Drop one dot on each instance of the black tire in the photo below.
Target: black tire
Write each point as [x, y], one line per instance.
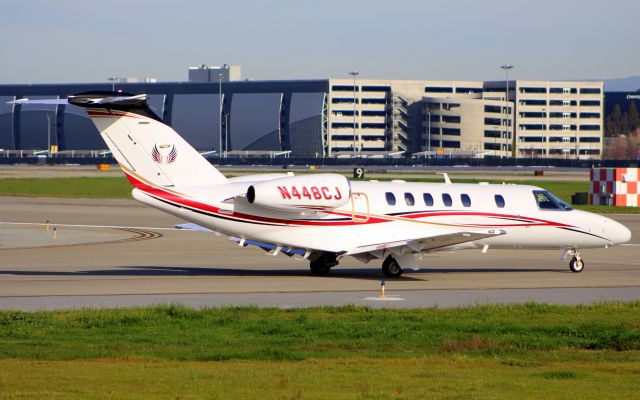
[576, 265]
[320, 267]
[391, 268]
[323, 264]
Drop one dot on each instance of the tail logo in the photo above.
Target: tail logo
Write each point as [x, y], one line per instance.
[160, 158]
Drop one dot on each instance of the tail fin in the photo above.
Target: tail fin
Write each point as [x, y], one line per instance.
[142, 144]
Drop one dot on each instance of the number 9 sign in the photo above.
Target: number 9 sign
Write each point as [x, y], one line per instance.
[358, 173]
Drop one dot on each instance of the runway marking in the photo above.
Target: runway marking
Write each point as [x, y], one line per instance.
[386, 298]
[93, 226]
[631, 244]
[138, 235]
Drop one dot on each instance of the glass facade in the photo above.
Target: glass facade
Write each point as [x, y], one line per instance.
[6, 123]
[79, 132]
[260, 131]
[39, 120]
[305, 124]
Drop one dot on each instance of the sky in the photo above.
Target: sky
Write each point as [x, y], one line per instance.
[55, 41]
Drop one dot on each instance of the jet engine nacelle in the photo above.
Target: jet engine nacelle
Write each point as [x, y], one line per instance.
[304, 192]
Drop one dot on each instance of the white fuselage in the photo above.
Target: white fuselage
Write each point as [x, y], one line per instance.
[370, 218]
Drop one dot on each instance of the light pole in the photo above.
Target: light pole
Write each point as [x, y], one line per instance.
[506, 68]
[226, 134]
[220, 112]
[354, 74]
[113, 80]
[429, 130]
[48, 135]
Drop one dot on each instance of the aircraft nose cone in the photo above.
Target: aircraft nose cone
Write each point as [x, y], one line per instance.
[617, 232]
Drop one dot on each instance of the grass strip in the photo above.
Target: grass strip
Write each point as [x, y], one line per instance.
[486, 351]
[88, 188]
[174, 332]
[433, 377]
[119, 188]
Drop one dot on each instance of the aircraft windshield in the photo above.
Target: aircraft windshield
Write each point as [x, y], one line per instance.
[549, 201]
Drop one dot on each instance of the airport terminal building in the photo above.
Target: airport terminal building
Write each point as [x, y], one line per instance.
[217, 112]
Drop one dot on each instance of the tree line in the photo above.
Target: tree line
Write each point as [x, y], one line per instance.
[622, 131]
[619, 123]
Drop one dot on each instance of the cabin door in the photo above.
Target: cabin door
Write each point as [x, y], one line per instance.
[359, 207]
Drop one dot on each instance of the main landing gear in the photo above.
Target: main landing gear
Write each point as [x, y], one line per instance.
[391, 268]
[576, 264]
[321, 265]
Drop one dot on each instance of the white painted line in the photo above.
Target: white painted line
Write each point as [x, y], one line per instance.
[94, 226]
[385, 298]
[630, 244]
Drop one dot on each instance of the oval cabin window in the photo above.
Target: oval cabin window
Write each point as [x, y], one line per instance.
[391, 199]
[446, 199]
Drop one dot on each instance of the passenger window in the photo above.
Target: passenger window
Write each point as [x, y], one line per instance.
[428, 199]
[391, 199]
[499, 200]
[446, 199]
[408, 198]
[466, 200]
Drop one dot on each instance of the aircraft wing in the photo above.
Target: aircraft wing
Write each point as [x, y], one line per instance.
[428, 243]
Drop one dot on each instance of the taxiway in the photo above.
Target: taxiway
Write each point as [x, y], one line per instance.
[151, 264]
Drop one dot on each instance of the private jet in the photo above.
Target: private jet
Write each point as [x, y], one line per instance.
[324, 217]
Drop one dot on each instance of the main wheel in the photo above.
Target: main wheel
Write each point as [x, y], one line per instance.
[576, 265]
[322, 265]
[319, 268]
[391, 268]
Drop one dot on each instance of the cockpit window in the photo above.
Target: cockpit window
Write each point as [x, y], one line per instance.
[548, 201]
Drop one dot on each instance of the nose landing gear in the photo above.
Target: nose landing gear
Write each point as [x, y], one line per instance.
[391, 268]
[576, 264]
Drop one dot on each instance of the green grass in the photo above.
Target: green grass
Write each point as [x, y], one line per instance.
[119, 188]
[486, 351]
[178, 333]
[90, 188]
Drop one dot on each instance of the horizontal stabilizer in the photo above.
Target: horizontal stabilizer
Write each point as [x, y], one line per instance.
[95, 99]
[42, 101]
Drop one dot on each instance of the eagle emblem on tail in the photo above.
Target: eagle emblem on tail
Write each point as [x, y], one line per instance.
[159, 158]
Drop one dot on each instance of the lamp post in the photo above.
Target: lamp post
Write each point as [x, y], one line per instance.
[220, 112]
[48, 135]
[354, 74]
[506, 68]
[113, 80]
[226, 134]
[429, 130]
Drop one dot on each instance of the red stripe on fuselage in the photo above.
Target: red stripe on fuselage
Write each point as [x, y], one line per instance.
[175, 198]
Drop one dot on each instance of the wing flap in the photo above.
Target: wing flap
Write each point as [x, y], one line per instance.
[429, 243]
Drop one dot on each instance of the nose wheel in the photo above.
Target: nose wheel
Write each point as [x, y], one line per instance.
[576, 264]
[391, 268]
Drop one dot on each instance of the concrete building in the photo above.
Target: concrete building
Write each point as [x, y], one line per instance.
[392, 117]
[555, 119]
[471, 126]
[333, 117]
[204, 73]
